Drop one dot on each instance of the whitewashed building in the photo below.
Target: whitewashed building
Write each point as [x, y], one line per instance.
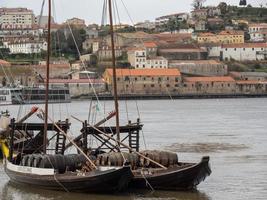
[165, 19]
[246, 51]
[157, 62]
[26, 47]
[137, 57]
[258, 32]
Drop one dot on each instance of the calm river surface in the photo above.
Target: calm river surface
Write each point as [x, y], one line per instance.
[233, 132]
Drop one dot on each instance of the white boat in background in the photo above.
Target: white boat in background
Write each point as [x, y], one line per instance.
[9, 96]
[33, 95]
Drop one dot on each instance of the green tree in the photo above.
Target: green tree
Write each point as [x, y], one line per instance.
[223, 8]
[197, 4]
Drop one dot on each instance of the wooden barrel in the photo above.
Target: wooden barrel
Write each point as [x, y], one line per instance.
[37, 160]
[112, 160]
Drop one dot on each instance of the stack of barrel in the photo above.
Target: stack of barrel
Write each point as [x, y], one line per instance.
[164, 158]
[61, 163]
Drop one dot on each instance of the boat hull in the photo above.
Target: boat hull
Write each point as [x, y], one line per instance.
[174, 178]
[112, 180]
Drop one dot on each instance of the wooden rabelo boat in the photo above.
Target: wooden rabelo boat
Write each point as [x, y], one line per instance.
[146, 170]
[31, 165]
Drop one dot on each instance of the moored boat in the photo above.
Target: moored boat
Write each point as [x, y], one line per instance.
[183, 176]
[103, 179]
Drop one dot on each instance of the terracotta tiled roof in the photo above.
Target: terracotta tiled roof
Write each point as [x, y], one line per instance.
[245, 45]
[231, 32]
[150, 44]
[210, 79]
[250, 82]
[145, 72]
[206, 34]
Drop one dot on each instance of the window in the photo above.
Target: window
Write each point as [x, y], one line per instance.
[168, 85]
[152, 85]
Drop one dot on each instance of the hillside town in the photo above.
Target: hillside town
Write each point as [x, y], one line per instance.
[213, 50]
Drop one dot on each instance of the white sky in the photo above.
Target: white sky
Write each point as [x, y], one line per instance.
[140, 10]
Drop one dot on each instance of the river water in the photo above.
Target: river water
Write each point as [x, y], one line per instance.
[233, 132]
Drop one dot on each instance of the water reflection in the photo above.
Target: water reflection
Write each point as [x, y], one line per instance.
[12, 191]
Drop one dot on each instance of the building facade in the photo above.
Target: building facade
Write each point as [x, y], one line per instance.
[144, 81]
[200, 67]
[246, 51]
[209, 85]
[224, 37]
[26, 47]
[16, 18]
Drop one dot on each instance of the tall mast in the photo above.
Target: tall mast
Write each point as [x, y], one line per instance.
[47, 77]
[114, 72]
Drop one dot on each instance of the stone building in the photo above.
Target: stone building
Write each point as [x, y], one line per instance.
[144, 81]
[80, 87]
[105, 53]
[183, 53]
[251, 87]
[249, 76]
[209, 85]
[128, 39]
[200, 67]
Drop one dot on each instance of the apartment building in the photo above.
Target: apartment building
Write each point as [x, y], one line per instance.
[16, 18]
[26, 46]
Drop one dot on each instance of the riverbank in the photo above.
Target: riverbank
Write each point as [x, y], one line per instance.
[176, 96]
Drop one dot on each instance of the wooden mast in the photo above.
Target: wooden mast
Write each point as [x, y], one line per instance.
[114, 72]
[47, 77]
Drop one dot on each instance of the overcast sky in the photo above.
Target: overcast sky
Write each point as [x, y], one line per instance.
[140, 10]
